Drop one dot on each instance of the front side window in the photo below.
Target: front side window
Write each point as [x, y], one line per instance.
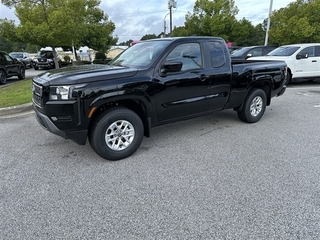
[255, 52]
[308, 50]
[189, 54]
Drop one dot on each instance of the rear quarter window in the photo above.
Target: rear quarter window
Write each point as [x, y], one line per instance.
[217, 54]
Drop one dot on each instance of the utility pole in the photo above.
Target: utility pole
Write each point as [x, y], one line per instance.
[165, 25]
[171, 4]
[268, 24]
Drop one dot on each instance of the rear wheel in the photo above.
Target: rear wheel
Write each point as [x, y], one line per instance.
[3, 77]
[254, 106]
[22, 73]
[117, 134]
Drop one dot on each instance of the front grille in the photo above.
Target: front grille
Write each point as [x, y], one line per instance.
[37, 94]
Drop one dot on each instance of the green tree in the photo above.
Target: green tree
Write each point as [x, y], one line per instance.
[57, 23]
[149, 36]
[127, 43]
[297, 23]
[5, 45]
[180, 32]
[212, 18]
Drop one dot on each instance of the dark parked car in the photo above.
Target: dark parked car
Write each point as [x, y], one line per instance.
[251, 51]
[10, 67]
[22, 57]
[44, 59]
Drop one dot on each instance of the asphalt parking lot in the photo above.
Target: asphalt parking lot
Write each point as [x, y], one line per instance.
[213, 177]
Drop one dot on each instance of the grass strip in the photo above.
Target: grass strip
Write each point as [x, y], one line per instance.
[16, 94]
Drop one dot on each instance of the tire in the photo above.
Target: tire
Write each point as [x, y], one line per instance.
[3, 77]
[289, 78]
[254, 106]
[22, 74]
[36, 67]
[117, 134]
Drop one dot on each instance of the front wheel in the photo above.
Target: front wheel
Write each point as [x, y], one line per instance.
[3, 77]
[117, 134]
[253, 106]
[288, 79]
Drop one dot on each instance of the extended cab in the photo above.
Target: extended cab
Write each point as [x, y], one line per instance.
[151, 83]
[303, 60]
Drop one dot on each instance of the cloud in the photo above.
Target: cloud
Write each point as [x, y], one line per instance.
[134, 19]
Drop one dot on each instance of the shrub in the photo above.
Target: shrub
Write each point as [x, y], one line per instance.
[64, 64]
[100, 56]
[67, 58]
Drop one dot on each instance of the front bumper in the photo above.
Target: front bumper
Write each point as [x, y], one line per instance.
[78, 136]
[45, 65]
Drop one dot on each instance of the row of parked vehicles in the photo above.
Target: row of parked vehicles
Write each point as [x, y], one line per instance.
[44, 59]
[303, 60]
[15, 63]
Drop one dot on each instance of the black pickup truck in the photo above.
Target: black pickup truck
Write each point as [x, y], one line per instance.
[151, 83]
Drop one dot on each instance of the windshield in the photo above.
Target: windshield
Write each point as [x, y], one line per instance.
[283, 51]
[47, 54]
[141, 54]
[16, 55]
[239, 52]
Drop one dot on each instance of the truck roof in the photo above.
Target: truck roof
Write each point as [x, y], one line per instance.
[186, 38]
[301, 45]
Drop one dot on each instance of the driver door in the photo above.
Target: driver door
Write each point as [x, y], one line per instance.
[183, 93]
[308, 67]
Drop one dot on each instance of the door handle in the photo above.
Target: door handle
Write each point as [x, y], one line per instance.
[314, 60]
[203, 77]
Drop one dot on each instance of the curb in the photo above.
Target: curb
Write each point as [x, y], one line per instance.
[16, 109]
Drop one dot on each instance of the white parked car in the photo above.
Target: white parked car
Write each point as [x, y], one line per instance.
[303, 60]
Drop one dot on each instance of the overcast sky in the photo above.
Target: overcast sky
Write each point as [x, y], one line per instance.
[135, 18]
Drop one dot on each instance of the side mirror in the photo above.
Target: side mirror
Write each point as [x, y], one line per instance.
[171, 67]
[249, 55]
[302, 56]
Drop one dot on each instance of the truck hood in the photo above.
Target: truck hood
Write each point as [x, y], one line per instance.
[84, 74]
[270, 58]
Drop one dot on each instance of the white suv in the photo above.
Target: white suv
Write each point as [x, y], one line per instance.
[303, 60]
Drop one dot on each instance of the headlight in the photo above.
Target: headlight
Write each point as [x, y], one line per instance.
[50, 60]
[35, 60]
[59, 93]
[63, 92]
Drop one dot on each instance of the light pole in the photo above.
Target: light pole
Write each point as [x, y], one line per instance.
[268, 24]
[165, 25]
[171, 4]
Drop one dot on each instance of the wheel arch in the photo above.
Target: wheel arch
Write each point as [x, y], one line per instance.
[264, 84]
[136, 104]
